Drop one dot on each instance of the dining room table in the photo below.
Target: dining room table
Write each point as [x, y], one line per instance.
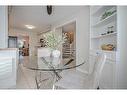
[46, 65]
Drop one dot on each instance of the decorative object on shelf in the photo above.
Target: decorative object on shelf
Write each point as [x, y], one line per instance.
[113, 11]
[109, 47]
[110, 29]
[107, 14]
[103, 34]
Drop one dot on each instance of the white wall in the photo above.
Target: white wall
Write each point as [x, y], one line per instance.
[82, 19]
[33, 43]
[32, 38]
[122, 48]
[3, 27]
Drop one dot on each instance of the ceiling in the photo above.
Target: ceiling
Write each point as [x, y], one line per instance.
[38, 17]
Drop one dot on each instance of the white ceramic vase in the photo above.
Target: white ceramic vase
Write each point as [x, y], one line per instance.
[56, 57]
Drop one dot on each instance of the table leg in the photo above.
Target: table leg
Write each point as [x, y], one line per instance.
[56, 77]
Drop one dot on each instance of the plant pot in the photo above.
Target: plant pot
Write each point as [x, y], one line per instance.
[56, 57]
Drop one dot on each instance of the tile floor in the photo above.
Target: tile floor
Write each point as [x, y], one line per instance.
[25, 78]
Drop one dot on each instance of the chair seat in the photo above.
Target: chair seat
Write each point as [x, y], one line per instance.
[75, 80]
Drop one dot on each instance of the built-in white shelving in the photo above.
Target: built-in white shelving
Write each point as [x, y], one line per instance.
[102, 36]
[99, 27]
[106, 20]
[98, 10]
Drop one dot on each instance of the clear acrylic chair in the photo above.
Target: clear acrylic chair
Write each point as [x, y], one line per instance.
[78, 80]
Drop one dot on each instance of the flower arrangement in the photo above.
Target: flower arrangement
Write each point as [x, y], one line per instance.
[53, 41]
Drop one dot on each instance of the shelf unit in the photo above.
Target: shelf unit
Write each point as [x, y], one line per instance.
[102, 36]
[98, 10]
[106, 20]
[99, 27]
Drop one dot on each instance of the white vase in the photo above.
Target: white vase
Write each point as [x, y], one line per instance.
[56, 57]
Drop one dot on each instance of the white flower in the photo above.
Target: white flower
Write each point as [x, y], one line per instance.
[54, 41]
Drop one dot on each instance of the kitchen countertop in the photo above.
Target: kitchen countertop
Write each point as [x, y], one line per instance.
[8, 48]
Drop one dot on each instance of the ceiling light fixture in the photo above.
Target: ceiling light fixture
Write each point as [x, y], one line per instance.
[30, 26]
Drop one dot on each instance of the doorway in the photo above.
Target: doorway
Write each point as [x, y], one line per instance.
[23, 45]
[69, 47]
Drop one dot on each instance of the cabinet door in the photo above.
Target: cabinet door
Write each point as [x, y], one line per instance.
[108, 75]
[6, 72]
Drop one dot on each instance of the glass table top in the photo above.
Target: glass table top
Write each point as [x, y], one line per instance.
[46, 64]
[49, 64]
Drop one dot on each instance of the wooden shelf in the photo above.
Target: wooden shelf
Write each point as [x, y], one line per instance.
[107, 35]
[106, 21]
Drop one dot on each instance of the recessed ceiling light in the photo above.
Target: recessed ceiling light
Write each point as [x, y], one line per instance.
[30, 26]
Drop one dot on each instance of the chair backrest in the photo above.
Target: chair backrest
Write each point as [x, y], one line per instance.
[92, 61]
[97, 70]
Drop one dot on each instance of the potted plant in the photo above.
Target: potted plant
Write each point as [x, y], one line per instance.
[54, 42]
